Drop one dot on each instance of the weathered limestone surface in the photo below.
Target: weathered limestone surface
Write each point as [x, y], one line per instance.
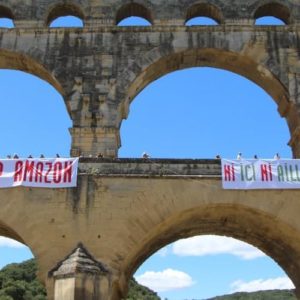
[100, 68]
[123, 218]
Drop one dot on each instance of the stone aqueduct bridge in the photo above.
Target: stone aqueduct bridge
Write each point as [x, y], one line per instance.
[89, 240]
[124, 210]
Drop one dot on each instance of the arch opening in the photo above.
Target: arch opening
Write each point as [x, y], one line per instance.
[203, 10]
[199, 93]
[207, 266]
[67, 21]
[201, 21]
[269, 21]
[275, 10]
[6, 23]
[136, 10]
[44, 119]
[134, 21]
[65, 15]
[18, 268]
[237, 221]
[6, 17]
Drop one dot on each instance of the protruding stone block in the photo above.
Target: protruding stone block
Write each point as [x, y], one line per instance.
[92, 141]
[79, 276]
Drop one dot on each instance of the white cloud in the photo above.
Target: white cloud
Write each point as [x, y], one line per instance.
[165, 280]
[5, 242]
[213, 245]
[279, 283]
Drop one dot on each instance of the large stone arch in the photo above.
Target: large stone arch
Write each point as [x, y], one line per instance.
[267, 232]
[11, 231]
[161, 61]
[22, 62]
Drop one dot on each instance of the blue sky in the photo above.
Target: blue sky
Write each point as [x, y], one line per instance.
[193, 113]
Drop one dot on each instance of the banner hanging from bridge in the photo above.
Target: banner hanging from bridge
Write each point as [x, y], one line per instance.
[46, 172]
[261, 174]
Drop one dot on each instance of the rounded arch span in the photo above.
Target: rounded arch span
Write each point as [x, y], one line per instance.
[6, 12]
[157, 63]
[8, 232]
[204, 10]
[274, 237]
[62, 10]
[133, 9]
[273, 9]
[22, 62]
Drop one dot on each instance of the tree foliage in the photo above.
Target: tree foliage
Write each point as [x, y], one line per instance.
[139, 292]
[19, 282]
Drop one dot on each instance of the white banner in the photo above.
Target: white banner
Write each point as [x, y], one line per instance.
[42, 172]
[261, 174]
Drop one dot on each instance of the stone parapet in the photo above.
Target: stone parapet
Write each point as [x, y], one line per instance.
[150, 167]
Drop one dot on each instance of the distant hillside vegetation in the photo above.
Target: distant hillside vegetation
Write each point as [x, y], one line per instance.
[18, 282]
[262, 295]
[140, 292]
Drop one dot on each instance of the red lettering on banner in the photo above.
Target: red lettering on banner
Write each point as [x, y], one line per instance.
[18, 171]
[229, 173]
[68, 171]
[29, 168]
[57, 172]
[270, 172]
[232, 173]
[49, 164]
[266, 172]
[39, 172]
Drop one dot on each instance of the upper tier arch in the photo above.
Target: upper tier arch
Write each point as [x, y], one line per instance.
[63, 9]
[204, 10]
[158, 62]
[134, 9]
[21, 62]
[162, 13]
[273, 9]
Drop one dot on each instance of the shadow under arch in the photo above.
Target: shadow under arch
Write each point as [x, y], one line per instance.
[274, 237]
[273, 9]
[204, 10]
[62, 10]
[133, 10]
[157, 63]
[6, 12]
